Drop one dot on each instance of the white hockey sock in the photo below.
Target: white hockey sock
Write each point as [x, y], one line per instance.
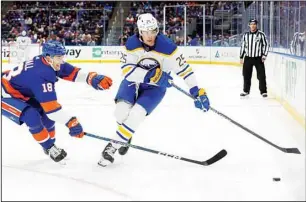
[126, 130]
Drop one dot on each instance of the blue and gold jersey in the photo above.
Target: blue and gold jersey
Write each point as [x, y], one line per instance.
[138, 59]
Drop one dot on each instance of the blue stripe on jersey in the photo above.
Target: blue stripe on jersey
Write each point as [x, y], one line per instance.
[183, 70]
[130, 73]
[185, 77]
[127, 65]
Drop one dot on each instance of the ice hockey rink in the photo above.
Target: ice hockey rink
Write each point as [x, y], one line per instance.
[176, 127]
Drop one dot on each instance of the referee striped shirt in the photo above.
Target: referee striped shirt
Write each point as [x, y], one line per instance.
[254, 44]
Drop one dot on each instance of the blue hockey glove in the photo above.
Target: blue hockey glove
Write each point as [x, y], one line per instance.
[75, 128]
[201, 100]
[99, 82]
[158, 77]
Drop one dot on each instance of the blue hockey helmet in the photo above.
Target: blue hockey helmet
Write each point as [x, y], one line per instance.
[52, 48]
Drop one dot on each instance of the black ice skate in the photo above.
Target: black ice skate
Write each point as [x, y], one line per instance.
[123, 150]
[107, 155]
[55, 153]
[244, 94]
[264, 95]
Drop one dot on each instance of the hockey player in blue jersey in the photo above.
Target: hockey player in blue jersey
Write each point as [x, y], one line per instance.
[29, 96]
[147, 62]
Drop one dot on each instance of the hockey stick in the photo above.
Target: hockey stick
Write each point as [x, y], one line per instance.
[286, 150]
[208, 162]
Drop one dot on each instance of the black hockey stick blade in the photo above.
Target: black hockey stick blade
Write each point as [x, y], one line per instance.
[215, 158]
[291, 150]
[208, 162]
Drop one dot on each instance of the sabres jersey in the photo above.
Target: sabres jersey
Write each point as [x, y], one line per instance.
[36, 79]
[137, 59]
[23, 41]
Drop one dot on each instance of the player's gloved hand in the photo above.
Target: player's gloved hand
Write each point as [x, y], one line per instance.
[159, 77]
[99, 82]
[75, 128]
[201, 100]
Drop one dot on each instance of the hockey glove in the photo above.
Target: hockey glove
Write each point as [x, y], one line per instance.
[99, 82]
[201, 100]
[158, 77]
[75, 128]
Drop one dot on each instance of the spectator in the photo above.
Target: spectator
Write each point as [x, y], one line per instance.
[28, 21]
[90, 42]
[224, 43]
[34, 38]
[4, 42]
[97, 36]
[195, 40]
[130, 19]
[189, 40]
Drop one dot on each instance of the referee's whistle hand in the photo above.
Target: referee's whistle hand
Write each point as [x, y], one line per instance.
[241, 61]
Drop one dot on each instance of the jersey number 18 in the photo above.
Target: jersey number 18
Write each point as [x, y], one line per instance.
[47, 87]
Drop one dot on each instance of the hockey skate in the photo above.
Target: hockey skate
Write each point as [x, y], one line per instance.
[123, 150]
[55, 153]
[107, 155]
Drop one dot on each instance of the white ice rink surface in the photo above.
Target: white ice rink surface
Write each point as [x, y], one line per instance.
[176, 127]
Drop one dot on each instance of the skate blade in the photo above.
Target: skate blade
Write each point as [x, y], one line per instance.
[104, 163]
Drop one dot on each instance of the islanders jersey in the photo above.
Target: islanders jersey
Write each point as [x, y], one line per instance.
[36, 79]
[137, 59]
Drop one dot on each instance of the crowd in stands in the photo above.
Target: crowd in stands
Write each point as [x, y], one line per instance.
[85, 23]
[175, 21]
[289, 17]
[74, 23]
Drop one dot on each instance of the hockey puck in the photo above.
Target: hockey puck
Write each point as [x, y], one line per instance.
[276, 179]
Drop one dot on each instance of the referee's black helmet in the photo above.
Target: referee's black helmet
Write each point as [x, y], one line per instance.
[253, 20]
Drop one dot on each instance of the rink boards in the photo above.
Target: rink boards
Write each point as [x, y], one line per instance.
[285, 73]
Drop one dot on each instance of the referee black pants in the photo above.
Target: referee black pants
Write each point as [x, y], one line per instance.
[247, 73]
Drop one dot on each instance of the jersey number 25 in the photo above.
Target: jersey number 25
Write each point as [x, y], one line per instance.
[181, 60]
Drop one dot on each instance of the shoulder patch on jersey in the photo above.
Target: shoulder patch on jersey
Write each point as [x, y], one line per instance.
[133, 43]
[164, 45]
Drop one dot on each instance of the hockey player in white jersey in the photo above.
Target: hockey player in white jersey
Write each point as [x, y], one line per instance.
[147, 62]
[23, 41]
[21, 48]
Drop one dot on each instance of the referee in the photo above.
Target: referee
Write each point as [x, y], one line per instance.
[254, 50]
